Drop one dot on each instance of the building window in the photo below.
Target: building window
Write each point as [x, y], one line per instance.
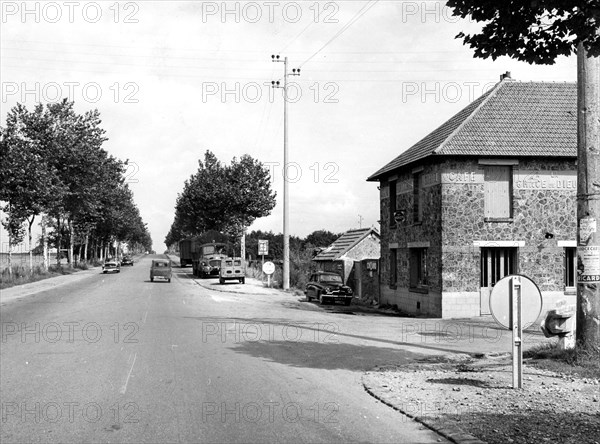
[570, 269]
[392, 193]
[418, 268]
[393, 267]
[417, 197]
[497, 263]
[498, 192]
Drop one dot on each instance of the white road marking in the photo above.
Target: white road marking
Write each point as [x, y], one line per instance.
[124, 387]
[145, 316]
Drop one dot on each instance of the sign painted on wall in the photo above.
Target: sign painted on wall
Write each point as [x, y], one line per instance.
[472, 176]
[588, 264]
[545, 180]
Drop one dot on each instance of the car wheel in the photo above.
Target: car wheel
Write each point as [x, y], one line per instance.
[347, 301]
[151, 279]
[242, 280]
[104, 272]
[221, 281]
[169, 280]
[308, 298]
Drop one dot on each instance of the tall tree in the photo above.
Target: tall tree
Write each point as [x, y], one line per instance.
[226, 198]
[538, 31]
[29, 182]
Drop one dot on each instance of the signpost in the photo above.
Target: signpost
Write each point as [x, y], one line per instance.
[263, 249]
[268, 268]
[516, 303]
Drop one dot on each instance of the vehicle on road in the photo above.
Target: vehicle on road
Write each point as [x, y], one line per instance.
[127, 260]
[327, 287]
[207, 259]
[111, 266]
[232, 268]
[160, 268]
[186, 247]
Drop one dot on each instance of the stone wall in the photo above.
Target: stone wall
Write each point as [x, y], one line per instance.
[544, 213]
[538, 208]
[405, 232]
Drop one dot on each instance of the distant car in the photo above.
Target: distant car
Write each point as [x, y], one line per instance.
[232, 268]
[327, 287]
[111, 266]
[127, 261]
[160, 268]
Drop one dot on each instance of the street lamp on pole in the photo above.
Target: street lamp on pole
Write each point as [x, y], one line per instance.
[286, 227]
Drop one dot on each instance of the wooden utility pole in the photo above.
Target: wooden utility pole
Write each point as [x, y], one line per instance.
[588, 199]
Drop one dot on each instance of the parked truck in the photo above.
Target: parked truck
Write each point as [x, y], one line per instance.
[186, 248]
[207, 259]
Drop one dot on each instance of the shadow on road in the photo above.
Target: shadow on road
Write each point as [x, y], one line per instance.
[257, 335]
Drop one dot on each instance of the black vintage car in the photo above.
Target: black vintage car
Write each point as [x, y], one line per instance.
[327, 287]
[127, 260]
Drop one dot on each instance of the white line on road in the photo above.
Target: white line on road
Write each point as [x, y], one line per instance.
[145, 316]
[124, 387]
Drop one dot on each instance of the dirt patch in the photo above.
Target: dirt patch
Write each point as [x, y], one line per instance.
[469, 399]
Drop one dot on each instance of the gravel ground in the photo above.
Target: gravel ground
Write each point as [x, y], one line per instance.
[472, 400]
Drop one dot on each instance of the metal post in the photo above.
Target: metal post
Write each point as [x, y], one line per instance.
[517, 332]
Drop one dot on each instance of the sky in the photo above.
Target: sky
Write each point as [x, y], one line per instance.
[173, 79]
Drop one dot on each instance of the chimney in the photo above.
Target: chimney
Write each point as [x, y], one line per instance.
[506, 75]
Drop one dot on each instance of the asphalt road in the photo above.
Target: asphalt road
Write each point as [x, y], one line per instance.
[116, 358]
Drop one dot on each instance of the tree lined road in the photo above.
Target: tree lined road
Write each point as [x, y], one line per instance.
[116, 358]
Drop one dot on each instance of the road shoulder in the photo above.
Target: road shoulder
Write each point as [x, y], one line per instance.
[470, 400]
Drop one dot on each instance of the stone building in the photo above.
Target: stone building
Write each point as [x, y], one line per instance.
[348, 252]
[490, 192]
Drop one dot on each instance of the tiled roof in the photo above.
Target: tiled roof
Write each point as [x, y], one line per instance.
[512, 119]
[344, 243]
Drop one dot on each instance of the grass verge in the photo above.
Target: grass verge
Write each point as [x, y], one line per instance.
[24, 275]
[580, 361]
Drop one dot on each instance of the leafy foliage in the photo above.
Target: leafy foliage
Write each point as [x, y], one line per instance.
[224, 198]
[534, 31]
[54, 163]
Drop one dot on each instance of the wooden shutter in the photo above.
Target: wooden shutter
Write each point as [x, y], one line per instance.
[497, 191]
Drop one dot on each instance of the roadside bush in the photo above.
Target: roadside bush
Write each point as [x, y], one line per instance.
[82, 265]
[21, 275]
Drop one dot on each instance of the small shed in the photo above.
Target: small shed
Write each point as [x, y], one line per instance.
[353, 246]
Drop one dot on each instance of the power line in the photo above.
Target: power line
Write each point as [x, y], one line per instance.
[357, 16]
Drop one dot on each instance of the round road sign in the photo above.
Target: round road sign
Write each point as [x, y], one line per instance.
[268, 268]
[500, 301]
